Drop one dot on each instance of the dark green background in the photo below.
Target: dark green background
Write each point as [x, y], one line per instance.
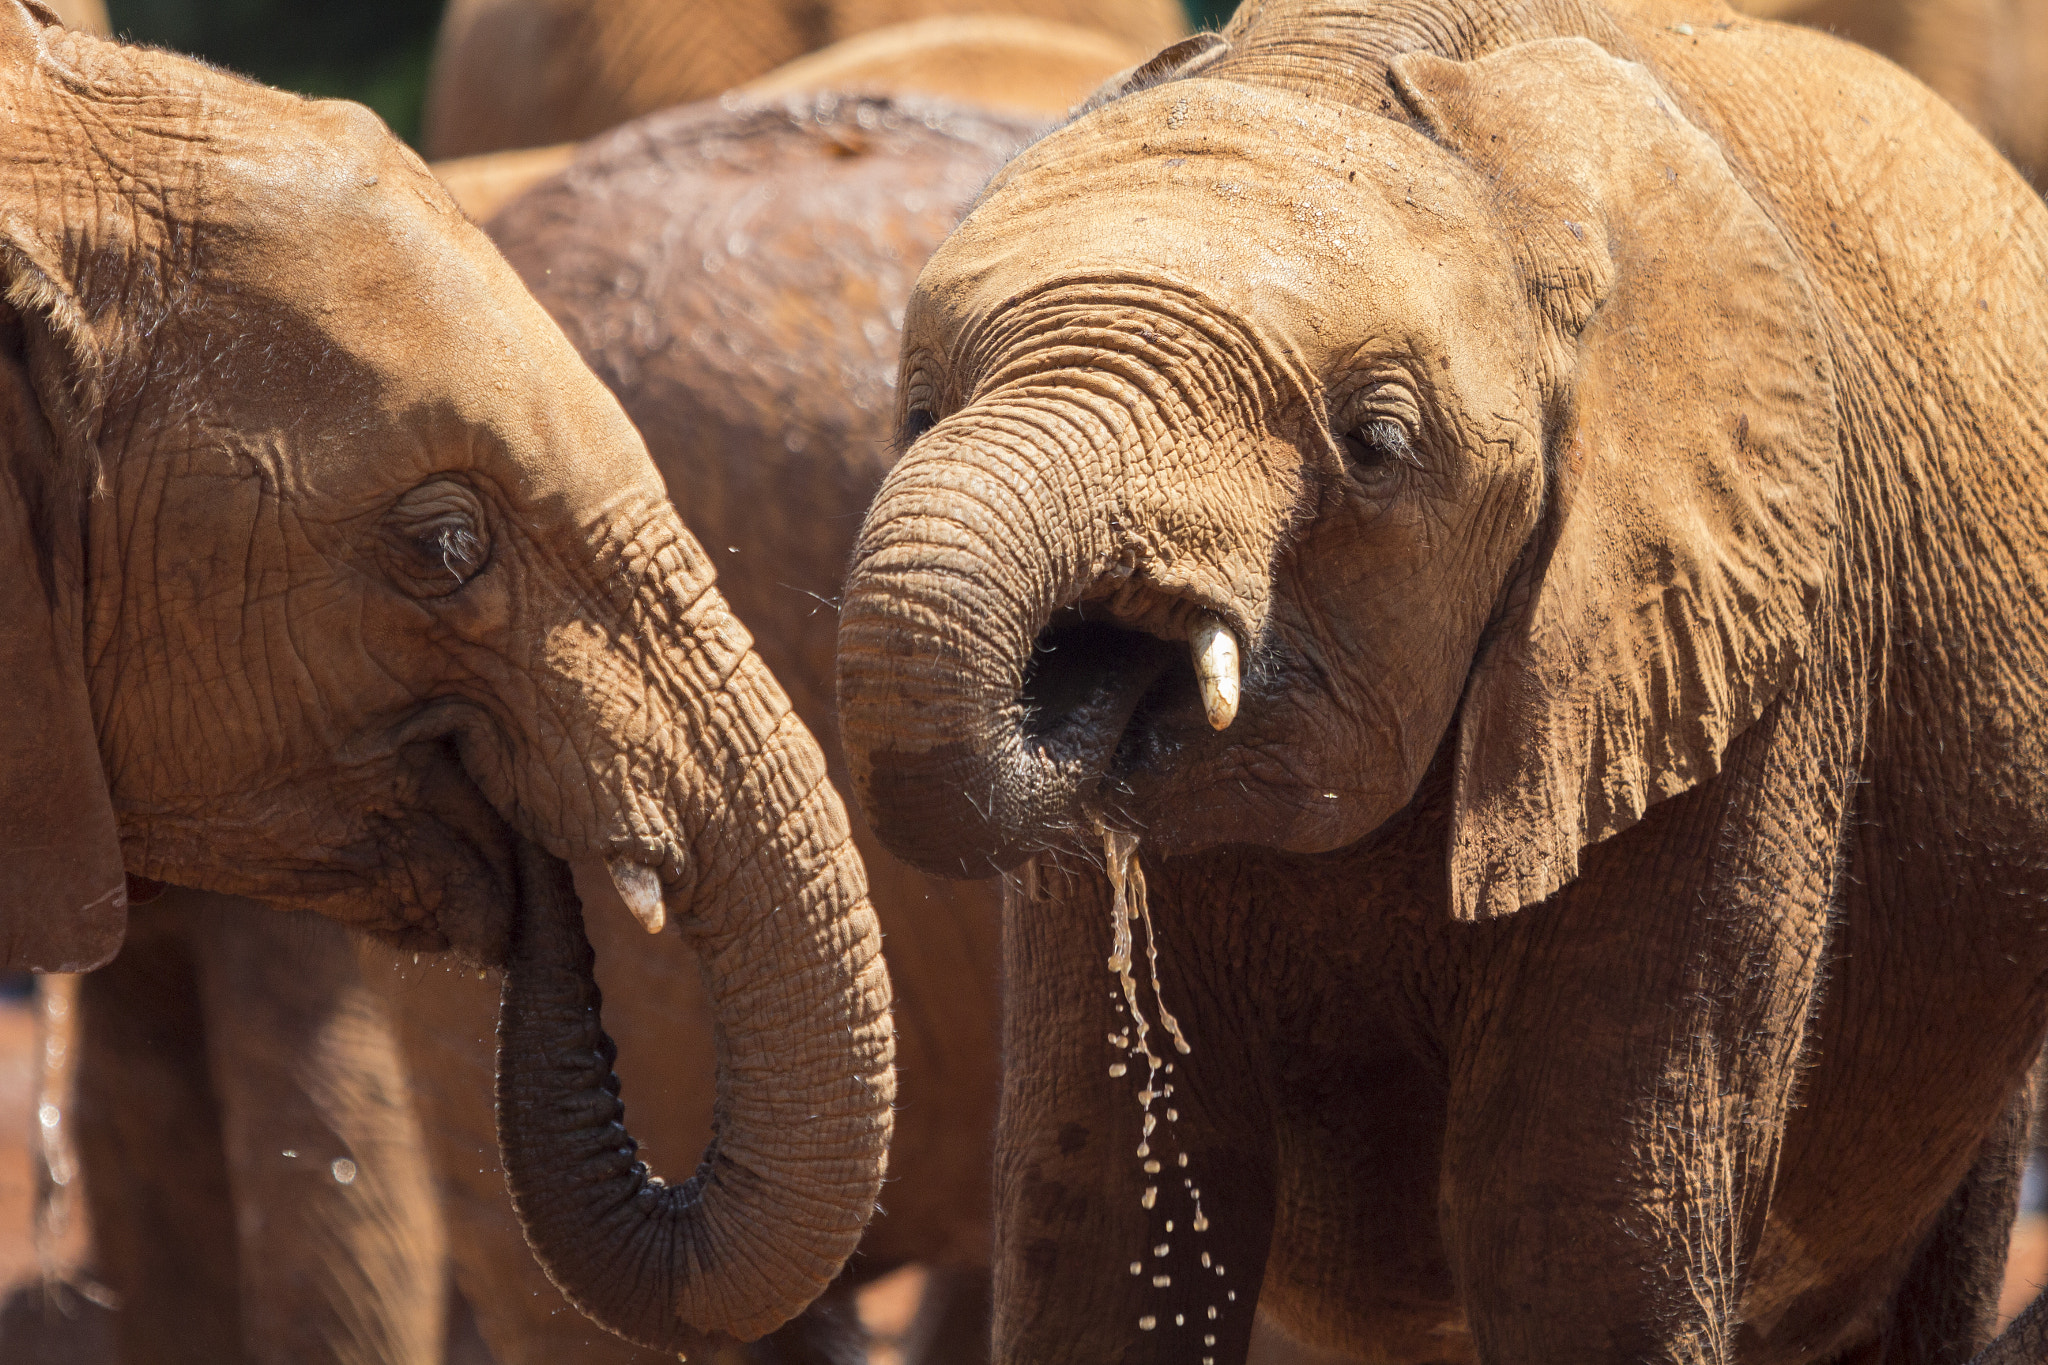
[371, 50]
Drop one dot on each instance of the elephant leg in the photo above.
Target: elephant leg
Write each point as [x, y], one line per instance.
[829, 1332]
[1100, 1252]
[342, 1250]
[952, 1322]
[1622, 1066]
[149, 1144]
[1945, 1310]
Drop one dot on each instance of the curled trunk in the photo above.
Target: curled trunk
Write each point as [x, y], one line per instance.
[802, 1123]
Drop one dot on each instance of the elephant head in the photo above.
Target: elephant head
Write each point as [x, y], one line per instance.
[335, 579]
[1267, 450]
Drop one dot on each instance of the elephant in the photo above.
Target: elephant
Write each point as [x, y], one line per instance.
[1990, 60]
[336, 580]
[735, 275]
[1489, 559]
[528, 73]
[1021, 65]
[255, 1170]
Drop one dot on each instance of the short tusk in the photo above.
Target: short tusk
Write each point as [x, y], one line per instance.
[1215, 653]
[636, 886]
[639, 886]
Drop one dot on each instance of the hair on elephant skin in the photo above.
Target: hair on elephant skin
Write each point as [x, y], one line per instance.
[525, 73]
[736, 276]
[334, 578]
[1533, 520]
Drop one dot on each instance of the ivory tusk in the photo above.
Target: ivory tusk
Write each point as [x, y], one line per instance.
[1215, 654]
[639, 886]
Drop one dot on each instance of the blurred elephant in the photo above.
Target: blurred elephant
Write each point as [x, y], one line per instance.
[525, 73]
[737, 277]
[1988, 58]
[254, 1167]
[90, 15]
[333, 577]
[1018, 64]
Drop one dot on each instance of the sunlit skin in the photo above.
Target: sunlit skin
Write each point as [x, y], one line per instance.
[1609, 926]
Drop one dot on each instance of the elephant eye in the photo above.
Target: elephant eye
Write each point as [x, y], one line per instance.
[917, 422]
[1373, 449]
[437, 539]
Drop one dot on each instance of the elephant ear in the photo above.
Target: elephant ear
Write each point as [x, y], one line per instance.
[63, 899]
[1690, 506]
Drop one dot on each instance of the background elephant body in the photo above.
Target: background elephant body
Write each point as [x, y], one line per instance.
[737, 277]
[258, 1183]
[524, 73]
[1433, 480]
[1988, 58]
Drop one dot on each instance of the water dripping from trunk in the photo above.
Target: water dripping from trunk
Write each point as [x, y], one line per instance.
[1129, 906]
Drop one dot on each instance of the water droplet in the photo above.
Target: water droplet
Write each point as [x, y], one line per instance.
[344, 1171]
[1180, 1319]
[1182, 1160]
[1161, 1249]
[1232, 1296]
[49, 1115]
[1169, 1225]
[1201, 1221]
[1117, 1068]
[1209, 1339]
[1173, 1116]
[1161, 1281]
[1150, 1197]
[1205, 1260]
[1212, 1312]
[1147, 1323]
[1152, 1168]
[1137, 1268]
[290, 1153]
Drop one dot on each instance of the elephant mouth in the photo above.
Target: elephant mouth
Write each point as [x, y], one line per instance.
[1104, 701]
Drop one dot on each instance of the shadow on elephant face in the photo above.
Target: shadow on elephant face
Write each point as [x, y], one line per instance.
[1501, 422]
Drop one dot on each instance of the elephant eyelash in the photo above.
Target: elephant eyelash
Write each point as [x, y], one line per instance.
[439, 539]
[916, 423]
[1374, 446]
[459, 549]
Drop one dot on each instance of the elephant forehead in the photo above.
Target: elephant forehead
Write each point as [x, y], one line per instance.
[1312, 219]
[337, 268]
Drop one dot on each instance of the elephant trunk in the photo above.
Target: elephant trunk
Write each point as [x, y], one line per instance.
[805, 1086]
[967, 552]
